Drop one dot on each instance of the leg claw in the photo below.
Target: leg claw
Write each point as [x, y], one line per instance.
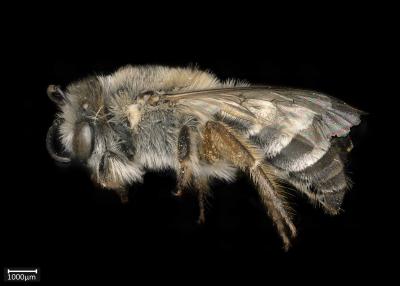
[201, 219]
[123, 195]
[177, 193]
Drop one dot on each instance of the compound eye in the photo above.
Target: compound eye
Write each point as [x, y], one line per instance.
[83, 141]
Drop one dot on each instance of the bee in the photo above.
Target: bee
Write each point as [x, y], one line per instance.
[144, 118]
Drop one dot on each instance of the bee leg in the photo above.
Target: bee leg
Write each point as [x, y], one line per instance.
[123, 195]
[184, 176]
[118, 189]
[223, 141]
[202, 189]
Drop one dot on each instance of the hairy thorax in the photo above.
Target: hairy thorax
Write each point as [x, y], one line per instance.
[141, 100]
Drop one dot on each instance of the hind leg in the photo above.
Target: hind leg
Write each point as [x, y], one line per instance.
[220, 141]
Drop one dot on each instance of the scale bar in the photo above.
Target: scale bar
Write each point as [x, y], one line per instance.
[22, 271]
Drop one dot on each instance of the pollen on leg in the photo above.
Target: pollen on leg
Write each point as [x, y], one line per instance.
[241, 153]
[184, 150]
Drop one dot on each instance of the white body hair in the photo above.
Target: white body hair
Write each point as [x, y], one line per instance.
[156, 118]
[156, 127]
[157, 148]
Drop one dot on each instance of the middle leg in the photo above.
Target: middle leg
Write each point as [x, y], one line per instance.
[185, 175]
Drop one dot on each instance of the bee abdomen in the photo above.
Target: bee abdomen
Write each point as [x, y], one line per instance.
[324, 180]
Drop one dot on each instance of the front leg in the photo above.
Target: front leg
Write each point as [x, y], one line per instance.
[123, 195]
[119, 190]
[117, 173]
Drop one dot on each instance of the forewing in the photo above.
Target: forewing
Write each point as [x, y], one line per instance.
[304, 134]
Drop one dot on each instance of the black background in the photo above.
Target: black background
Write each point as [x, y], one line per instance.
[54, 218]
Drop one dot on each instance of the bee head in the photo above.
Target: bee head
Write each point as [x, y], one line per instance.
[89, 132]
[74, 127]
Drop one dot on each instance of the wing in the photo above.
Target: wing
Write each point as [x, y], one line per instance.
[304, 134]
